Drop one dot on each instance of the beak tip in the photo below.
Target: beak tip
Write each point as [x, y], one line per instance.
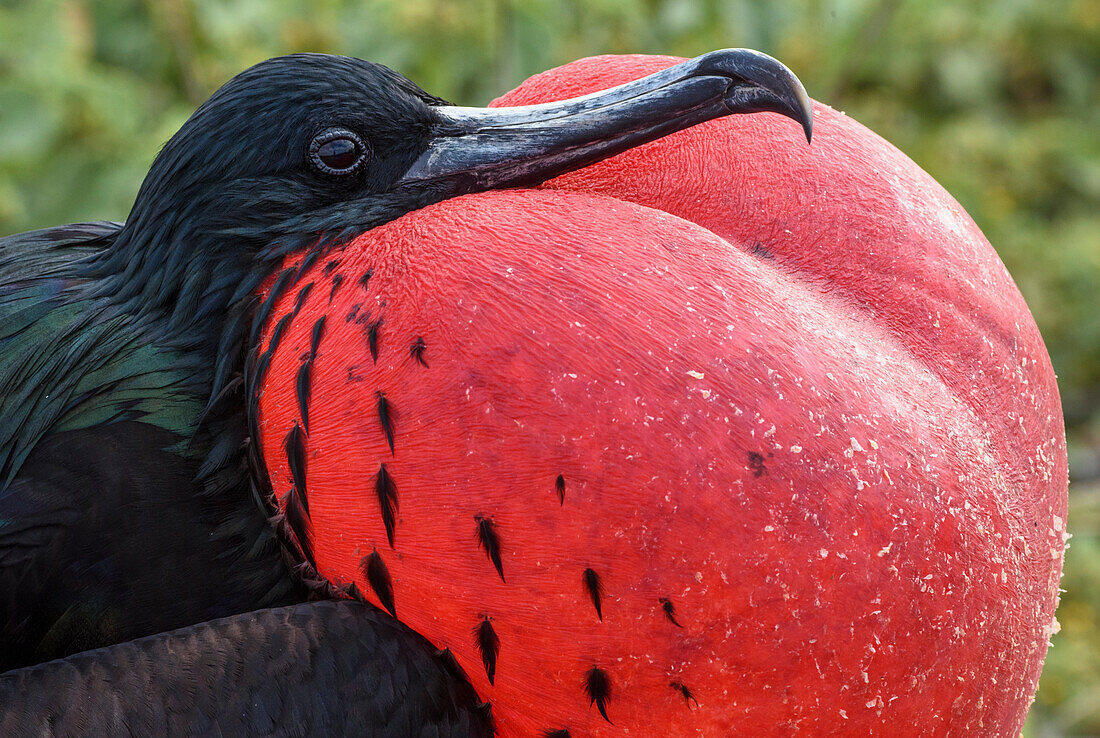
[806, 107]
[802, 107]
[780, 89]
[799, 108]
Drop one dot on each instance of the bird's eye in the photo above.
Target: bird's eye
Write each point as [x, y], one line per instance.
[337, 151]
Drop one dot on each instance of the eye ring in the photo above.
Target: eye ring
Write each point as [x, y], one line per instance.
[338, 151]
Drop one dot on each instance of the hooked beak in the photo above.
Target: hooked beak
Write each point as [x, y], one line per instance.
[474, 149]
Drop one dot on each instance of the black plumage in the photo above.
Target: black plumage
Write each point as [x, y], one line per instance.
[447, 660]
[326, 668]
[194, 568]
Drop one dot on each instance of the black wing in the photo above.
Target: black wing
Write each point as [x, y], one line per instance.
[324, 668]
[104, 540]
[105, 534]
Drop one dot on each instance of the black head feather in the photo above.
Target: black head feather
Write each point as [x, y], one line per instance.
[242, 162]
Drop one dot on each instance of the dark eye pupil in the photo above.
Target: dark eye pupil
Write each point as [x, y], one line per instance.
[339, 153]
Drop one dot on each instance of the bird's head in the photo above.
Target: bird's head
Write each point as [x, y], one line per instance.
[285, 140]
[304, 149]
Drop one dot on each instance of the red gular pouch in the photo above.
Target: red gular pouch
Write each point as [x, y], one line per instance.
[725, 435]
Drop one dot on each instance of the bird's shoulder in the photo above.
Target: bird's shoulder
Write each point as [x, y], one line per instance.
[68, 358]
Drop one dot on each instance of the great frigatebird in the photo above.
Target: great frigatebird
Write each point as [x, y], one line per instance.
[128, 493]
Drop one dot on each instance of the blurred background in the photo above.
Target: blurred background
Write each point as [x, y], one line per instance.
[998, 99]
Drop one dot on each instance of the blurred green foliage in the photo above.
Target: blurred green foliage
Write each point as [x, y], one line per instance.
[997, 99]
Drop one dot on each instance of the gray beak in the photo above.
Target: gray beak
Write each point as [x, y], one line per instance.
[486, 148]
